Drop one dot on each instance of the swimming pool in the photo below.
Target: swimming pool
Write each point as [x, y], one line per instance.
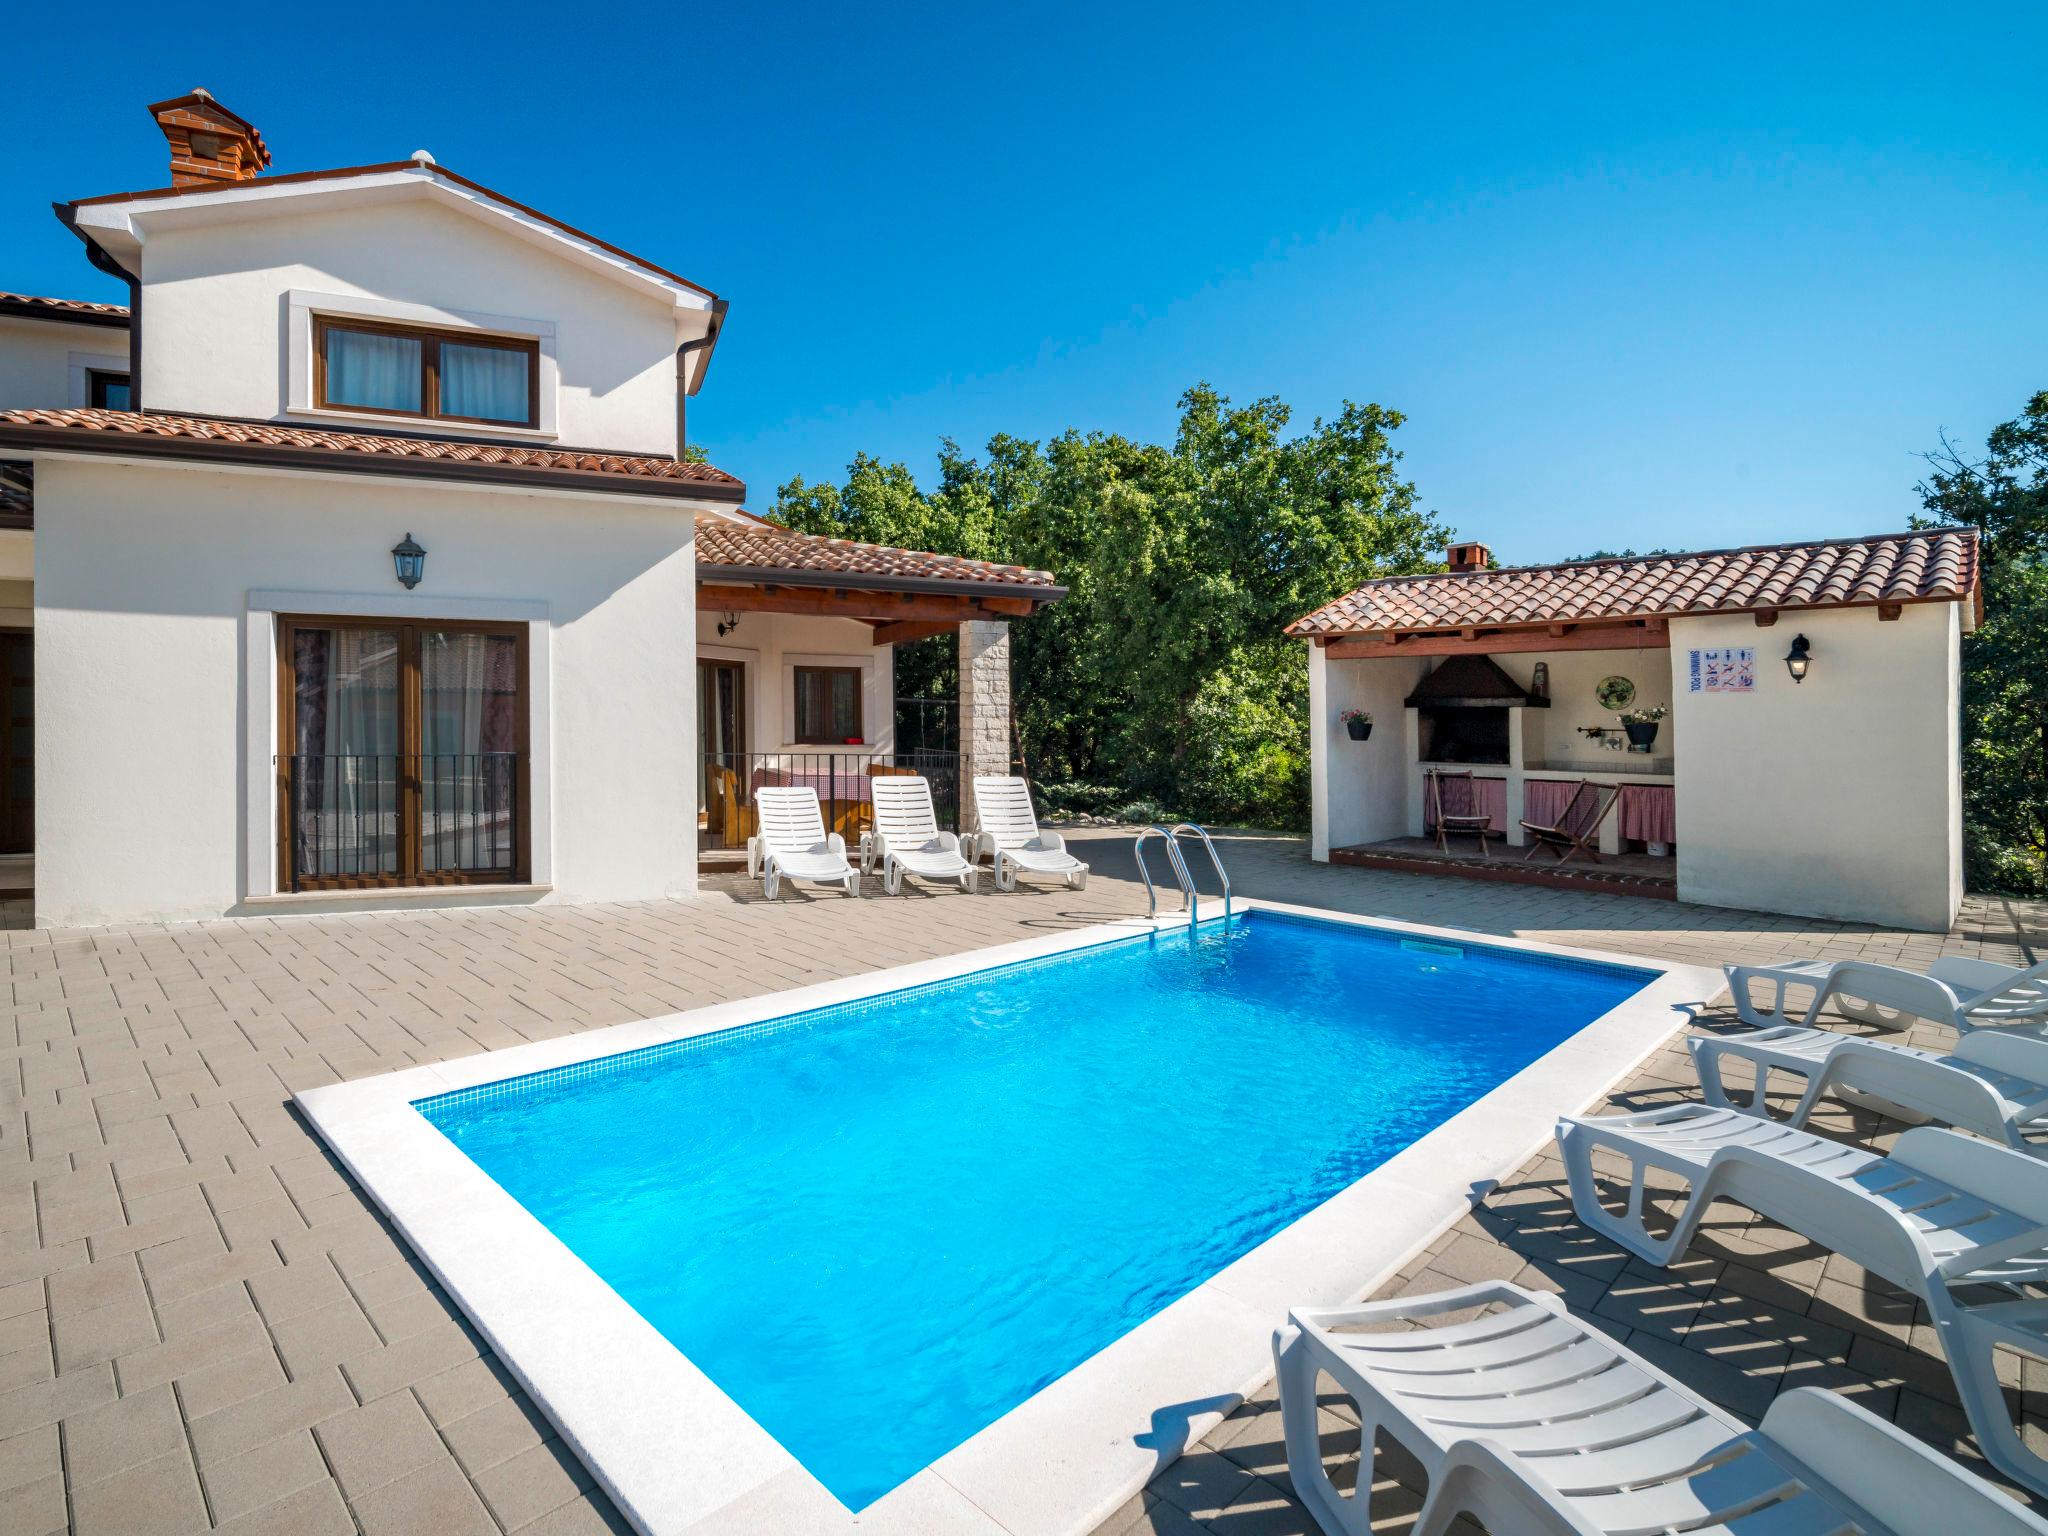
[950, 1196]
[889, 1223]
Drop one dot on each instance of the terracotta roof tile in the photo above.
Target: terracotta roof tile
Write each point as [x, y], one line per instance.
[118, 431]
[757, 544]
[60, 307]
[1935, 564]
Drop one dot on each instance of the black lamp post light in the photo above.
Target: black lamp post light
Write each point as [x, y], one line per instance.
[410, 561]
[1799, 658]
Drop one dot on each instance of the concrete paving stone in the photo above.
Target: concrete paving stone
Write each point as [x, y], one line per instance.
[102, 1333]
[186, 1315]
[258, 1420]
[1266, 1509]
[251, 1226]
[292, 1290]
[111, 1437]
[379, 1443]
[211, 1344]
[1150, 1515]
[30, 1364]
[494, 1433]
[210, 1388]
[389, 1368]
[159, 1497]
[29, 1457]
[45, 1402]
[474, 1385]
[1202, 1482]
[34, 1508]
[526, 1486]
[183, 1268]
[590, 1513]
[437, 1500]
[325, 1336]
[23, 1296]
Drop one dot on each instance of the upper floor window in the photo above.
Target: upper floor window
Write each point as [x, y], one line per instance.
[107, 390]
[407, 371]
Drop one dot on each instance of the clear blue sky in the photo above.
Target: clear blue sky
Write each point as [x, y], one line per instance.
[1635, 276]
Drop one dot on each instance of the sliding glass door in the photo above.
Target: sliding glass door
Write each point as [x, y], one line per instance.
[403, 753]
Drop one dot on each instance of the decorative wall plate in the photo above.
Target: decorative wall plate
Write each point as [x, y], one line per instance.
[1615, 693]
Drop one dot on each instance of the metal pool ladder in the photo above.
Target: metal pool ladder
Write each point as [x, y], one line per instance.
[1171, 837]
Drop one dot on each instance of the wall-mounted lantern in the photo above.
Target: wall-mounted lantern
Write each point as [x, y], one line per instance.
[1799, 658]
[410, 561]
[728, 623]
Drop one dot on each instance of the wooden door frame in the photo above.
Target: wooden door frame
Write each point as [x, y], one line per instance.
[410, 728]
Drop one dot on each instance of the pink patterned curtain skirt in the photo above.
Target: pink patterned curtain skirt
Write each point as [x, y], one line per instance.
[1649, 812]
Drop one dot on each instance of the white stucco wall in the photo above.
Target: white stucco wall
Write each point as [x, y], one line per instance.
[155, 683]
[1552, 735]
[43, 363]
[1359, 788]
[772, 645]
[217, 302]
[1838, 797]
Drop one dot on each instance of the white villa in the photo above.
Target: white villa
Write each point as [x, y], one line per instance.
[358, 560]
[1787, 673]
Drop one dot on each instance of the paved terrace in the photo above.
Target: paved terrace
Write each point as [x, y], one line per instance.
[203, 1324]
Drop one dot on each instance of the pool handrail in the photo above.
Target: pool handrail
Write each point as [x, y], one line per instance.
[1186, 882]
[1215, 860]
[1180, 871]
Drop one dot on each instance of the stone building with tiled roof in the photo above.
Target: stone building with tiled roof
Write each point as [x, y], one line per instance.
[1774, 728]
[358, 560]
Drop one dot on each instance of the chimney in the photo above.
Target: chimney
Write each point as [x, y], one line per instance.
[1467, 557]
[210, 146]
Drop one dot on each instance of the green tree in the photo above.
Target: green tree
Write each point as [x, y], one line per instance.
[2005, 663]
[1164, 672]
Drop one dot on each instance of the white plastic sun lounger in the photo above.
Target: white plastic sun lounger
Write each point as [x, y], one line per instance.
[1942, 1209]
[1536, 1424]
[1995, 1082]
[1008, 832]
[907, 840]
[793, 841]
[1966, 994]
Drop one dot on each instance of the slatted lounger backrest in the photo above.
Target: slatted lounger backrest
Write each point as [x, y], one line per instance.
[1002, 808]
[790, 819]
[903, 809]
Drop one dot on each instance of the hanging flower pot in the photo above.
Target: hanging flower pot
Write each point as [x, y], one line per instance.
[1358, 723]
[1641, 725]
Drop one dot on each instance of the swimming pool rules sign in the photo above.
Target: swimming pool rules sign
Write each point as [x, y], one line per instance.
[1731, 669]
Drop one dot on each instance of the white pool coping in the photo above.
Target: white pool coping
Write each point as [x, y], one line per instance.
[676, 1454]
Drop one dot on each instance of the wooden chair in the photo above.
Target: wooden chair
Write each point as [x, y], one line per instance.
[736, 821]
[1454, 807]
[1578, 825]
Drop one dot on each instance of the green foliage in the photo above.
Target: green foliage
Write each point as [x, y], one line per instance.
[2005, 663]
[1163, 674]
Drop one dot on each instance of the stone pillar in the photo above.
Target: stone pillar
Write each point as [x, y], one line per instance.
[984, 704]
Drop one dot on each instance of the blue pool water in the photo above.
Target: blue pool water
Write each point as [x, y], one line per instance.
[878, 1227]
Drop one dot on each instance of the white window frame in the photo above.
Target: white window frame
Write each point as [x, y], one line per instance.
[304, 305]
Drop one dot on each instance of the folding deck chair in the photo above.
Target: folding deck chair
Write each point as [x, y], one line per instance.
[1454, 808]
[1578, 825]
